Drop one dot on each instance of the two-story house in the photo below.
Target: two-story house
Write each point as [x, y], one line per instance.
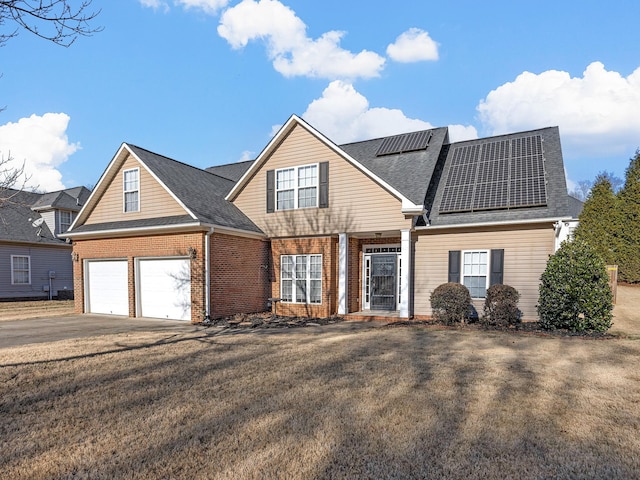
[35, 262]
[364, 229]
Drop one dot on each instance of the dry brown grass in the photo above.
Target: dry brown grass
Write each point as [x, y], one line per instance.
[330, 402]
[34, 309]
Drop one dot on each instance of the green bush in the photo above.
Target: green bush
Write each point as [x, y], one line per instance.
[574, 290]
[501, 306]
[450, 303]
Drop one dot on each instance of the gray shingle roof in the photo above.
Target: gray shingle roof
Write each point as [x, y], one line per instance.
[17, 217]
[202, 192]
[70, 199]
[558, 205]
[231, 171]
[409, 173]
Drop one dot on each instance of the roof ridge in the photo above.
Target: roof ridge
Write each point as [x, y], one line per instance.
[389, 136]
[178, 161]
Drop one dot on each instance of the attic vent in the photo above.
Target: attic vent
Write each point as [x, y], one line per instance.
[406, 142]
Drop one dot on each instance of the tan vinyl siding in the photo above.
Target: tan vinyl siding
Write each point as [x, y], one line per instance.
[356, 203]
[526, 251]
[155, 201]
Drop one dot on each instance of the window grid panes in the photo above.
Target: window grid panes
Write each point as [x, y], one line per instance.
[131, 191]
[20, 269]
[297, 187]
[301, 278]
[474, 272]
[65, 221]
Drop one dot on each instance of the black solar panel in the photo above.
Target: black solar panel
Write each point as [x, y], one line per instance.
[407, 142]
[496, 175]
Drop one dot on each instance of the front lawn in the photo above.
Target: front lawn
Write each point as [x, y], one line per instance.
[338, 401]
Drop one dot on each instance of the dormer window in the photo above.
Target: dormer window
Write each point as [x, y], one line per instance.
[66, 218]
[132, 190]
[297, 187]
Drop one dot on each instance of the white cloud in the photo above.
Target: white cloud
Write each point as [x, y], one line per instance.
[292, 52]
[247, 155]
[41, 143]
[155, 4]
[414, 45]
[210, 7]
[344, 115]
[207, 6]
[597, 113]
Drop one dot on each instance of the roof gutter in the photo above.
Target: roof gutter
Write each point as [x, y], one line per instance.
[532, 221]
[121, 232]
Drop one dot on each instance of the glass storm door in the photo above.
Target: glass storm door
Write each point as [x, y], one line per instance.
[383, 282]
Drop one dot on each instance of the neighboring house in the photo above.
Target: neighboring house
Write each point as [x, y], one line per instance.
[364, 229]
[35, 262]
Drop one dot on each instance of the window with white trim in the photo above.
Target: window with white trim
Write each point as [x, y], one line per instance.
[20, 270]
[301, 278]
[475, 276]
[66, 219]
[297, 187]
[131, 190]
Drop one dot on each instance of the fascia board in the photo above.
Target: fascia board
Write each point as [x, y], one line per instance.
[493, 224]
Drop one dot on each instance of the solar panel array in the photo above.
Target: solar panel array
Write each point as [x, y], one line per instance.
[496, 175]
[406, 142]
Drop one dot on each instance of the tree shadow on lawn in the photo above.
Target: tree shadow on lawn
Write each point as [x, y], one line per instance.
[375, 403]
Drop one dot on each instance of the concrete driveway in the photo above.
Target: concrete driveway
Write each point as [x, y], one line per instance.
[39, 330]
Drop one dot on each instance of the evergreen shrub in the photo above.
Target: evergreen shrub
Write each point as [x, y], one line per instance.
[574, 290]
[501, 306]
[450, 303]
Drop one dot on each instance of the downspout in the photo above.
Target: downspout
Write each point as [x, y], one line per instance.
[207, 276]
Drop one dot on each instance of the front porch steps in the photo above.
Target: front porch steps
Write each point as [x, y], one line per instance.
[375, 316]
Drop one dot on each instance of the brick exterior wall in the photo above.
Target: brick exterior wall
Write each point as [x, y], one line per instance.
[328, 248]
[143, 246]
[240, 275]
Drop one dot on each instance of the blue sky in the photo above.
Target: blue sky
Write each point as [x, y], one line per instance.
[207, 82]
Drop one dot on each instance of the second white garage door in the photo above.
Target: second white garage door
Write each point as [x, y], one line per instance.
[164, 288]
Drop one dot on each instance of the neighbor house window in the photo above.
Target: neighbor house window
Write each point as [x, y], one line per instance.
[297, 187]
[65, 220]
[475, 272]
[131, 190]
[20, 270]
[301, 278]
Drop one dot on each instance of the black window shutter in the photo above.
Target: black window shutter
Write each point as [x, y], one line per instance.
[271, 191]
[497, 266]
[323, 185]
[454, 266]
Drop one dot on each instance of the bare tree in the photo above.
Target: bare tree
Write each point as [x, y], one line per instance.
[59, 21]
[12, 179]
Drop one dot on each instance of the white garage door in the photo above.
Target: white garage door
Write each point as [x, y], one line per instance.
[164, 288]
[106, 288]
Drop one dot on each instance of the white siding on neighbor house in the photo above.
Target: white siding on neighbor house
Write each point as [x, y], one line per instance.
[43, 260]
[356, 202]
[526, 251]
[49, 217]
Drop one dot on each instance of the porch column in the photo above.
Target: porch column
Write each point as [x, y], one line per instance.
[405, 273]
[343, 284]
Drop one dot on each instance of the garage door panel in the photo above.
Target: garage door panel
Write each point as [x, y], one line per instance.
[164, 288]
[107, 290]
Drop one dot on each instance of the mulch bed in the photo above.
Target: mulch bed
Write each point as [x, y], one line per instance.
[268, 320]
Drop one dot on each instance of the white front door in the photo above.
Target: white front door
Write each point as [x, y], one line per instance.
[164, 288]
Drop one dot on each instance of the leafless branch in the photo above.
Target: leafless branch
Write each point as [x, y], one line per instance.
[59, 21]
